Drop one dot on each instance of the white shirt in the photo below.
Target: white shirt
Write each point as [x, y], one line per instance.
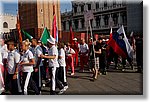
[83, 48]
[53, 52]
[1, 58]
[27, 56]
[61, 61]
[69, 51]
[13, 59]
[37, 53]
[4, 51]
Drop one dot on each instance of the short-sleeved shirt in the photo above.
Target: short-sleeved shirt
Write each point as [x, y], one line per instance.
[83, 48]
[69, 51]
[96, 47]
[37, 53]
[27, 56]
[61, 61]
[53, 51]
[13, 59]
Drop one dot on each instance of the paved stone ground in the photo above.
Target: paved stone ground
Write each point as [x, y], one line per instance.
[116, 82]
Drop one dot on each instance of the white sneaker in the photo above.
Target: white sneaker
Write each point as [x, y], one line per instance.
[61, 91]
[65, 88]
[44, 85]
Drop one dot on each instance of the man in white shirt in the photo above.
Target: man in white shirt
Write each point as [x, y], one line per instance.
[37, 52]
[53, 65]
[83, 51]
[13, 60]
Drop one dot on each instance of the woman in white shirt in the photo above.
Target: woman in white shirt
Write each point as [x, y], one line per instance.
[69, 58]
[27, 63]
[62, 65]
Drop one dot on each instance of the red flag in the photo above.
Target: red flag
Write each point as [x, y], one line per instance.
[110, 37]
[71, 35]
[54, 26]
[19, 30]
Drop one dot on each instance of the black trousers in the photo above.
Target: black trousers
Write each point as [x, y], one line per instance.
[102, 62]
[61, 75]
[30, 83]
[37, 77]
[12, 84]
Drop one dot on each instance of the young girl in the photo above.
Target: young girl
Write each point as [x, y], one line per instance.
[27, 63]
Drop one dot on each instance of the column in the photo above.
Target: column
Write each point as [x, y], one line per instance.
[102, 23]
[67, 25]
[93, 6]
[79, 24]
[85, 7]
[110, 21]
[119, 19]
[78, 9]
[94, 22]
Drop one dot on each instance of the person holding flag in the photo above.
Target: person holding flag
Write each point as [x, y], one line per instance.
[53, 65]
[121, 45]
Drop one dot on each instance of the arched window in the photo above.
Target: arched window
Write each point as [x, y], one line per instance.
[5, 25]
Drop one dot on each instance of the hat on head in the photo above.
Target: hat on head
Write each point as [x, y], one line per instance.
[51, 40]
[75, 39]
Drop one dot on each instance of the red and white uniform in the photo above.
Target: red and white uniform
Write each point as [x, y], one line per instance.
[83, 50]
[75, 47]
[69, 58]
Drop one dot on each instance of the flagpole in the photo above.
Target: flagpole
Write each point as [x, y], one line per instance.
[92, 41]
[87, 34]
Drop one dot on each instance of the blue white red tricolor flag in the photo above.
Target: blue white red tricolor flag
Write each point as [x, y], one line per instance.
[55, 30]
[119, 42]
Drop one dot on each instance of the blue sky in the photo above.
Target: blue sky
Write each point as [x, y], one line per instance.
[10, 6]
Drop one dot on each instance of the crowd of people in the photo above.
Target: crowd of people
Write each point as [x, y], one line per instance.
[25, 68]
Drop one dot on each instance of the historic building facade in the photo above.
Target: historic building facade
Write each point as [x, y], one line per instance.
[107, 13]
[34, 16]
[7, 24]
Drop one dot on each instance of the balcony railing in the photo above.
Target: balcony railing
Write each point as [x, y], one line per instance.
[98, 28]
[117, 6]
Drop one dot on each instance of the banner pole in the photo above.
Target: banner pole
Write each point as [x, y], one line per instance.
[92, 41]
